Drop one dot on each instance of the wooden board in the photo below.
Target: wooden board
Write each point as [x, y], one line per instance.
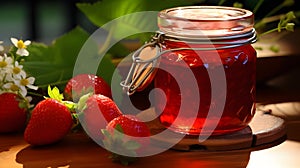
[264, 130]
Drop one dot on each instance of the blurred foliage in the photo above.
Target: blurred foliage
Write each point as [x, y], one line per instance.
[102, 13]
[54, 64]
[279, 18]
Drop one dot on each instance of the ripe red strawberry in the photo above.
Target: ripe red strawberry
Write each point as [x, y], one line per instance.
[130, 125]
[82, 84]
[12, 116]
[126, 137]
[96, 111]
[50, 121]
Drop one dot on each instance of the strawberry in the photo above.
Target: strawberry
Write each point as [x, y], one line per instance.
[130, 125]
[95, 111]
[126, 137]
[82, 84]
[12, 116]
[50, 120]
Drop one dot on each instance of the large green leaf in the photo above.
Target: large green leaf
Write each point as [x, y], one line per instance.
[103, 12]
[55, 64]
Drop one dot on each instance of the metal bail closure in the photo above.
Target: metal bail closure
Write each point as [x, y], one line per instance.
[143, 68]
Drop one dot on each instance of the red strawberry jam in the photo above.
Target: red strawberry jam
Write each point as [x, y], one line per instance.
[239, 94]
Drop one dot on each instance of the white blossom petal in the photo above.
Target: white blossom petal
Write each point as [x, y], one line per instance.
[23, 91]
[22, 52]
[9, 78]
[31, 80]
[14, 41]
[9, 60]
[1, 46]
[7, 85]
[23, 74]
[17, 82]
[27, 42]
[32, 87]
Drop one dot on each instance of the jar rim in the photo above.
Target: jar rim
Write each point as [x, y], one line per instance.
[243, 13]
[209, 21]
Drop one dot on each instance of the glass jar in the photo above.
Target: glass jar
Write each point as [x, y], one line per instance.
[206, 71]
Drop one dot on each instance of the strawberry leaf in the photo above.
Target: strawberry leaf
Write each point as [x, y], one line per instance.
[70, 105]
[55, 94]
[106, 133]
[122, 151]
[132, 145]
[118, 132]
[81, 105]
[124, 160]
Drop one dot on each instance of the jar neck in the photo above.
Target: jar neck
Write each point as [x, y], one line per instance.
[207, 43]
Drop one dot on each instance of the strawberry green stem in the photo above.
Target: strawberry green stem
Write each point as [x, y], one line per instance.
[35, 94]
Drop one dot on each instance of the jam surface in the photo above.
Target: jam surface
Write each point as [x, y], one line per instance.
[229, 111]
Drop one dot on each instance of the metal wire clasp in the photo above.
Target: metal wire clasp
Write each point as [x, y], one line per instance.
[143, 69]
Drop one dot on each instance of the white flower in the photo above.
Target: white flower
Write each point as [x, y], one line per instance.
[21, 85]
[17, 71]
[26, 82]
[21, 46]
[12, 87]
[1, 46]
[5, 63]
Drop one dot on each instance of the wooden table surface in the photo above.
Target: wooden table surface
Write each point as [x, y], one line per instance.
[78, 151]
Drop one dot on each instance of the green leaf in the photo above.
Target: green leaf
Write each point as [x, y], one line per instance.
[118, 132]
[106, 133]
[288, 3]
[55, 94]
[132, 145]
[81, 105]
[70, 105]
[257, 6]
[55, 64]
[221, 2]
[106, 144]
[100, 13]
[290, 16]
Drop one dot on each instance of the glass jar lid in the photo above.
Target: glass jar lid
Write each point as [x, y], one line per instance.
[205, 21]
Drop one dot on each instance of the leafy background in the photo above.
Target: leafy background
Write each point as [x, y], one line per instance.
[54, 64]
